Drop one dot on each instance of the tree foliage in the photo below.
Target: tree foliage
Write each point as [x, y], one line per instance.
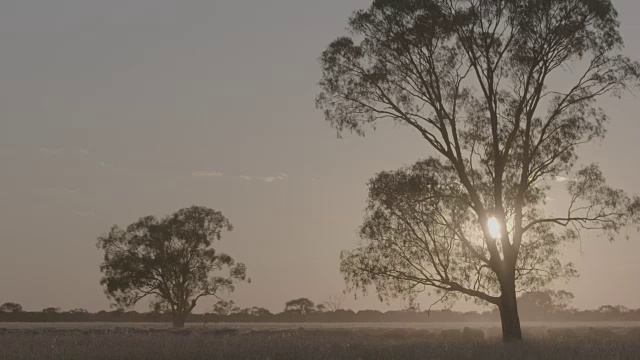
[545, 301]
[420, 232]
[224, 307]
[486, 84]
[302, 306]
[334, 303]
[51, 310]
[11, 307]
[171, 260]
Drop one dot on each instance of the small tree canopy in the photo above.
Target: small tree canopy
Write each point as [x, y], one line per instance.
[51, 310]
[255, 311]
[302, 306]
[11, 307]
[545, 301]
[171, 260]
[78, 311]
[224, 307]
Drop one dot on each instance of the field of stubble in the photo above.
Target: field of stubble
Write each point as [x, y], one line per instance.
[102, 343]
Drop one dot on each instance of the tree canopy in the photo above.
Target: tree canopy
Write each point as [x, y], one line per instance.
[486, 84]
[302, 306]
[11, 307]
[545, 301]
[171, 260]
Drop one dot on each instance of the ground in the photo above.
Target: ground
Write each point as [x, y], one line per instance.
[313, 341]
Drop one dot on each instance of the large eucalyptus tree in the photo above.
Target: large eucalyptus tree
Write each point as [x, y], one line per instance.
[504, 93]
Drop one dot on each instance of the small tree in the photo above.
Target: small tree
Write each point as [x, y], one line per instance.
[255, 311]
[11, 307]
[78, 311]
[473, 78]
[170, 259]
[334, 303]
[544, 301]
[612, 309]
[51, 310]
[301, 306]
[223, 307]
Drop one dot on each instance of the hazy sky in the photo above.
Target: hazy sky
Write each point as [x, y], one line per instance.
[112, 110]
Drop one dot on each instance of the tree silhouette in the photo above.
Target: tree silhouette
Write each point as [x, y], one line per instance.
[255, 311]
[171, 260]
[544, 301]
[224, 307]
[301, 306]
[11, 307]
[612, 309]
[78, 311]
[51, 310]
[472, 78]
[334, 303]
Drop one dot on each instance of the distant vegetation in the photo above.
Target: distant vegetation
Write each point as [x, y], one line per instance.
[547, 306]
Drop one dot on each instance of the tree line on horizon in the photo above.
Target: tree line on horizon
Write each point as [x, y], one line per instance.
[548, 306]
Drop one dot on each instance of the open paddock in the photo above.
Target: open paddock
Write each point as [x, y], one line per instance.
[312, 341]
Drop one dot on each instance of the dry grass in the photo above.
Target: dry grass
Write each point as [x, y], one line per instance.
[298, 344]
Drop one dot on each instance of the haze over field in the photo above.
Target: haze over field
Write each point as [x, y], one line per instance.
[113, 110]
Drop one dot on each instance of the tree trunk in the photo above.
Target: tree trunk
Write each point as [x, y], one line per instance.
[178, 320]
[511, 331]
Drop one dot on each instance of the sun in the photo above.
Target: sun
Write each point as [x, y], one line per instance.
[494, 227]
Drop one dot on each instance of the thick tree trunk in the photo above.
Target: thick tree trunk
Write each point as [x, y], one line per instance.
[178, 320]
[511, 331]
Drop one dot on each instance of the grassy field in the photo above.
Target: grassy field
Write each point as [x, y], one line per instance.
[102, 343]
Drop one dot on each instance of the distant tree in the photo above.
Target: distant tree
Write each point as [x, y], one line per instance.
[260, 311]
[51, 310]
[78, 311]
[255, 311]
[170, 259]
[612, 309]
[479, 81]
[11, 307]
[544, 301]
[334, 303]
[302, 306]
[321, 308]
[223, 307]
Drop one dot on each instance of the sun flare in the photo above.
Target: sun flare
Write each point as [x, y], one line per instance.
[494, 227]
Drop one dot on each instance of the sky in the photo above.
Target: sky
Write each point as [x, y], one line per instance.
[113, 110]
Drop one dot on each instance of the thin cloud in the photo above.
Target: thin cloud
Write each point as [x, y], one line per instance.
[103, 164]
[81, 151]
[206, 173]
[51, 152]
[245, 177]
[270, 179]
